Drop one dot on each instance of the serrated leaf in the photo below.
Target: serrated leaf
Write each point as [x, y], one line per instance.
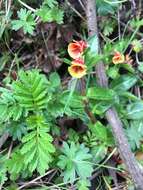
[74, 161]
[30, 90]
[26, 21]
[134, 133]
[99, 93]
[37, 144]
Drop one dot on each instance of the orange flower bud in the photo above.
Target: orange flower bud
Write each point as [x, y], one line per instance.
[128, 59]
[77, 68]
[118, 58]
[76, 48]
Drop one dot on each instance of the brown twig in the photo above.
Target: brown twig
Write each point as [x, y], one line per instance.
[3, 138]
[36, 179]
[111, 114]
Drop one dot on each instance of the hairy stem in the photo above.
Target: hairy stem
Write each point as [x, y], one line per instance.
[111, 114]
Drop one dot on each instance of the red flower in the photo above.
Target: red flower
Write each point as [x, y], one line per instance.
[77, 68]
[118, 58]
[76, 48]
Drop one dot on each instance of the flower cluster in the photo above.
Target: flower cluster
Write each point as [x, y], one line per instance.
[120, 58]
[78, 68]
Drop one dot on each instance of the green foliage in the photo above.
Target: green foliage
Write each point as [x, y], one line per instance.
[25, 21]
[135, 133]
[93, 44]
[30, 90]
[35, 108]
[107, 7]
[4, 59]
[17, 129]
[135, 110]
[37, 145]
[55, 80]
[123, 83]
[83, 185]
[98, 138]
[3, 174]
[75, 161]
[49, 12]
[99, 93]
[16, 165]
[50, 3]
[136, 22]
[8, 106]
[107, 26]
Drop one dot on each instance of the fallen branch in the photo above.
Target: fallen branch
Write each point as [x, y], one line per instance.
[111, 115]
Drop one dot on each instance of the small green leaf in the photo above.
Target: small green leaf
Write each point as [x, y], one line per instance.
[99, 130]
[113, 72]
[83, 185]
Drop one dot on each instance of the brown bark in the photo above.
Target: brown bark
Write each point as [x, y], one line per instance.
[111, 114]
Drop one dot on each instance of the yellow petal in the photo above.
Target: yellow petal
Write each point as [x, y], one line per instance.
[77, 70]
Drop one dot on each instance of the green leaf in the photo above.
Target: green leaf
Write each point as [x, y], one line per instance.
[99, 93]
[26, 21]
[83, 185]
[140, 67]
[37, 146]
[93, 44]
[15, 165]
[128, 67]
[102, 107]
[99, 130]
[3, 169]
[113, 72]
[75, 161]
[105, 8]
[57, 15]
[45, 14]
[135, 110]
[8, 106]
[48, 14]
[123, 83]
[4, 59]
[135, 133]
[50, 3]
[30, 90]
[99, 153]
[55, 79]
[17, 129]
